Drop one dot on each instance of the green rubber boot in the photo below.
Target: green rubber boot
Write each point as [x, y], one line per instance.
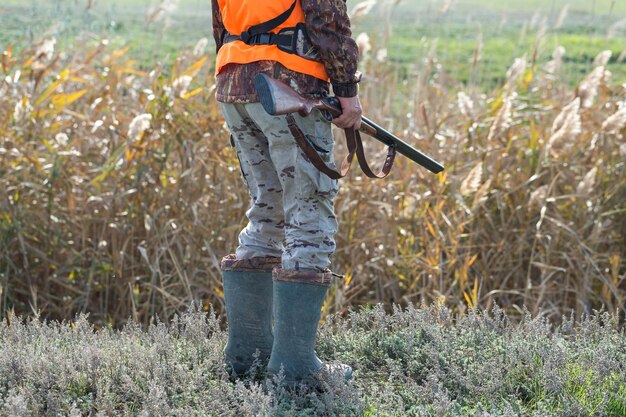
[248, 297]
[298, 300]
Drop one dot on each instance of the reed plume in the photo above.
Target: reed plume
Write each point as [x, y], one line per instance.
[562, 16]
[138, 126]
[200, 47]
[616, 28]
[603, 58]
[45, 50]
[515, 72]
[586, 185]
[554, 66]
[364, 45]
[566, 128]
[22, 110]
[465, 104]
[362, 9]
[503, 119]
[472, 182]
[180, 86]
[616, 122]
[588, 89]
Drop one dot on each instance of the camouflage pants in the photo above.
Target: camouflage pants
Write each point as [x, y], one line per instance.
[291, 213]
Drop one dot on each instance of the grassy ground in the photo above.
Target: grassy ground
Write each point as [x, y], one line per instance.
[414, 362]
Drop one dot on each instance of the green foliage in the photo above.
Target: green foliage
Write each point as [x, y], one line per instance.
[413, 362]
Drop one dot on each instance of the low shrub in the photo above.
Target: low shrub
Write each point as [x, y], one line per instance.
[412, 362]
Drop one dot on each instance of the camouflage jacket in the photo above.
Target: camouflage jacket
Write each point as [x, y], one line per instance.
[328, 27]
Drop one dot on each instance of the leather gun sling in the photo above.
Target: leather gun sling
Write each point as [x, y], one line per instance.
[315, 157]
[360, 156]
[354, 145]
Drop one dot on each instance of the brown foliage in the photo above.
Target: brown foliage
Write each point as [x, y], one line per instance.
[98, 217]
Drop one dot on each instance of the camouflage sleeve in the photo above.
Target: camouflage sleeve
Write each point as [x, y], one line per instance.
[328, 26]
[218, 25]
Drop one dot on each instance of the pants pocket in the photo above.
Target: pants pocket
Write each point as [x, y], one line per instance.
[244, 174]
[320, 183]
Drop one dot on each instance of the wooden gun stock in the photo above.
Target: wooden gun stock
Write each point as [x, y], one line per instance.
[277, 99]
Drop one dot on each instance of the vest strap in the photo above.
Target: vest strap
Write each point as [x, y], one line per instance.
[263, 39]
[262, 28]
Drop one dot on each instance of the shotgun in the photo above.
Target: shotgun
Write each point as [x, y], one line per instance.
[278, 99]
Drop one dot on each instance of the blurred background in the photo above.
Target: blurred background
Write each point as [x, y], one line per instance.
[464, 32]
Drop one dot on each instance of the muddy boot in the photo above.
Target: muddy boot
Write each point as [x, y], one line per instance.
[298, 300]
[248, 299]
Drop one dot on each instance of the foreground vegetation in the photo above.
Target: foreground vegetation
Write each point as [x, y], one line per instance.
[414, 362]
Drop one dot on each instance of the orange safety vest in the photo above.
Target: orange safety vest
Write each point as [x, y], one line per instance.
[239, 15]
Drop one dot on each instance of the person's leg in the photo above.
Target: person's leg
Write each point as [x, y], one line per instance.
[247, 274]
[308, 195]
[301, 284]
[248, 292]
[264, 234]
[298, 300]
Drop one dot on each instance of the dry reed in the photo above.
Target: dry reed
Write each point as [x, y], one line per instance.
[120, 192]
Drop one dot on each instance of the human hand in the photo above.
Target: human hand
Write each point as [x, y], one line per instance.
[351, 113]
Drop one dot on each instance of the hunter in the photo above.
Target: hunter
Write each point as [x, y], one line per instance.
[276, 281]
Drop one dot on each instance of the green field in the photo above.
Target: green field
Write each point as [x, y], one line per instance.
[501, 31]
[528, 6]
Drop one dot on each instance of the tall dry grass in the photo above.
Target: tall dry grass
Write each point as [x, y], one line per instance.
[120, 192]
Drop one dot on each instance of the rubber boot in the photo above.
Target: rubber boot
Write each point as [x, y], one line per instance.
[298, 300]
[248, 298]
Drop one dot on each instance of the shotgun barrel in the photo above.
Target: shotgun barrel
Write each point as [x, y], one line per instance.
[402, 147]
[277, 98]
